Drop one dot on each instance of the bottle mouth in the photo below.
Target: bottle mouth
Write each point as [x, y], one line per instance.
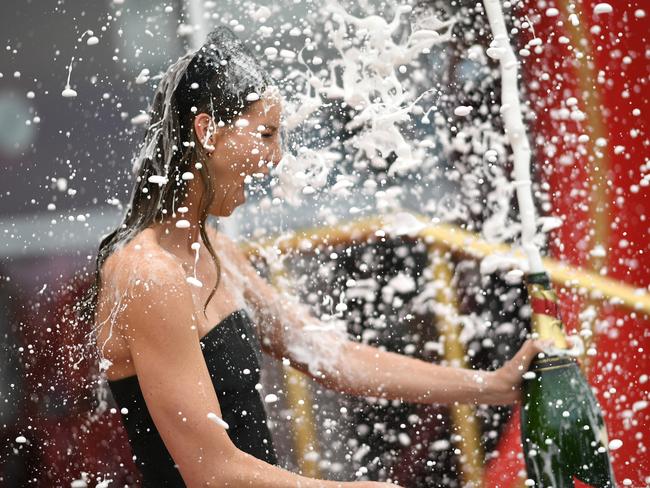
[552, 362]
[538, 279]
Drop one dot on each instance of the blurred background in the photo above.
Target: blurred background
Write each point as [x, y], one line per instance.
[66, 165]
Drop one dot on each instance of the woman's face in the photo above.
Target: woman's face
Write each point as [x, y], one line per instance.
[246, 148]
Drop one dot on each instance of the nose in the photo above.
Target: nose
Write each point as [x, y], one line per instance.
[271, 160]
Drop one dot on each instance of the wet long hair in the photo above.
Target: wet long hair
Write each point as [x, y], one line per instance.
[220, 79]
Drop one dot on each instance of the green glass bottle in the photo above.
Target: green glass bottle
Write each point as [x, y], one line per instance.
[562, 428]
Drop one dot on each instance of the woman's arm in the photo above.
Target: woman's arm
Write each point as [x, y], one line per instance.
[164, 345]
[291, 331]
[367, 371]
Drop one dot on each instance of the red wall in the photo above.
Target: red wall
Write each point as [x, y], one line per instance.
[617, 72]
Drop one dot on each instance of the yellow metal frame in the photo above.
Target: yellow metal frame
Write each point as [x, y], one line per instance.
[441, 239]
[468, 244]
[299, 399]
[463, 416]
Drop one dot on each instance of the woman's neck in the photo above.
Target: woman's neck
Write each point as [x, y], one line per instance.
[180, 226]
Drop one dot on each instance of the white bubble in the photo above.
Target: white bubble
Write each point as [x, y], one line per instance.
[61, 184]
[603, 8]
[261, 14]
[270, 52]
[68, 92]
[143, 77]
[194, 281]
[402, 283]
[140, 119]
[514, 276]
[491, 155]
[265, 30]
[92, 41]
[462, 110]
[404, 439]
[218, 420]
[615, 444]
[271, 398]
[598, 251]
[495, 52]
[157, 179]
[183, 224]
[287, 54]
[21, 439]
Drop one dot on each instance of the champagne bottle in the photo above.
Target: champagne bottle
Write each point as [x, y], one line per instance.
[562, 428]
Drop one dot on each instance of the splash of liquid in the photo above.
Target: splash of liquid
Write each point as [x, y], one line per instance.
[68, 92]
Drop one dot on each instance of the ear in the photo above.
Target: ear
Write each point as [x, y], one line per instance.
[205, 130]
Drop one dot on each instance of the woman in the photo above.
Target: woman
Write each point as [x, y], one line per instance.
[172, 314]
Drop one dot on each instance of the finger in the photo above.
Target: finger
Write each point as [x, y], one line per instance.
[526, 350]
[544, 345]
[527, 353]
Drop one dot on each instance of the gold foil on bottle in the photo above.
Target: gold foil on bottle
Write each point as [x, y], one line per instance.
[547, 326]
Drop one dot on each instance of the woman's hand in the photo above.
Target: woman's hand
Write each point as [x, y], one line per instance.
[505, 383]
[374, 484]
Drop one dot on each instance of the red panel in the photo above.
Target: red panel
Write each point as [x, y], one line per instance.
[619, 42]
[503, 470]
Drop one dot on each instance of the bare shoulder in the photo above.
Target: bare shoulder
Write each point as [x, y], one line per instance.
[141, 280]
[141, 292]
[140, 266]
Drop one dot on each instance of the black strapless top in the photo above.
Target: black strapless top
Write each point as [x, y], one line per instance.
[231, 351]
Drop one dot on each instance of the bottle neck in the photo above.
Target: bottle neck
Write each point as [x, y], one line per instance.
[545, 320]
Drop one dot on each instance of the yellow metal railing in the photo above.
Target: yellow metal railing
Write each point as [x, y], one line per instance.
[299, 400]
[444, 242]
[463, 416]
[468, 244]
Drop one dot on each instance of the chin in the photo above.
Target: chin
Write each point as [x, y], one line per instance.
[221, 212]
[235, 205]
